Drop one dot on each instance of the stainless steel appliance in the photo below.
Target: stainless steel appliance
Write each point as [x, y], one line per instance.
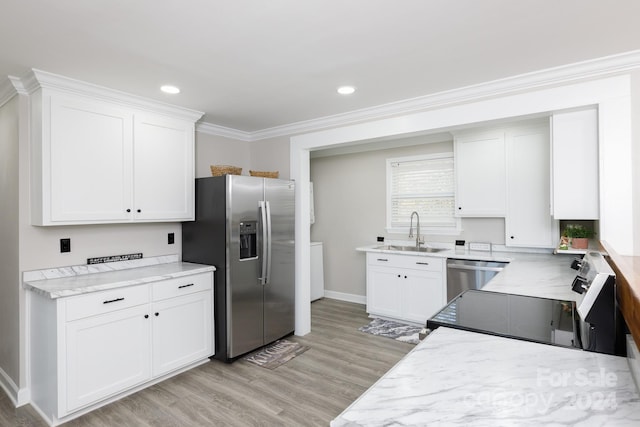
[244, 226]
[593, 322]
[602, 325]
[465, 274]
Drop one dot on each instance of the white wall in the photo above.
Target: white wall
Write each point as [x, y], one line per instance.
[9, 272]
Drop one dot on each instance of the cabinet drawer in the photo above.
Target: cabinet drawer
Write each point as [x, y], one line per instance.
[106, 301]
[405, 261]
[182, 286]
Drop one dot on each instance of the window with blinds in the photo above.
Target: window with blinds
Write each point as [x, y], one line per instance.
[424, 184]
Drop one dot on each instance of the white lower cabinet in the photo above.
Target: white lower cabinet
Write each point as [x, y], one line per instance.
[404, 287]
[90, 348]
[181, 328]
[106, 354]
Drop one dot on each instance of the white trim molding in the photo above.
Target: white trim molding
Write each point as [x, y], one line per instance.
[7, 91]
[341, 296]
[211, 129]
[590, 69]
[17, 395]
[37, 79]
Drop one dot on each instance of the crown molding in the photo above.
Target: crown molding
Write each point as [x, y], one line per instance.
[37, 79]
[7, 91]
[211, 129]
[564, 74]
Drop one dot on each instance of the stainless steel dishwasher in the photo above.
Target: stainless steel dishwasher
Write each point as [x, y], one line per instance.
[464, 274]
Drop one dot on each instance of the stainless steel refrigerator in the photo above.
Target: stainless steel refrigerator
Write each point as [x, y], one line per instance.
[244, 226]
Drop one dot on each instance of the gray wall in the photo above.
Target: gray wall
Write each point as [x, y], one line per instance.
[350, 210]
[218, 150]
[264, 155]
[9, 269]
[271, 155]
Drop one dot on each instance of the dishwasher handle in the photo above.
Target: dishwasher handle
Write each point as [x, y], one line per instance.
[474, 268]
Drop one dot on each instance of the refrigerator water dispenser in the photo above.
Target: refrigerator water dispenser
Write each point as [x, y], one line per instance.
[248, 239]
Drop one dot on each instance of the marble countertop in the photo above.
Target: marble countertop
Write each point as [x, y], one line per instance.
[538, 275]
[81, 279]
[456, 377]
[544, 275]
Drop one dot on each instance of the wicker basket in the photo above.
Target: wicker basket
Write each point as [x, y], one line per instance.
[218, 170]
[264, 174]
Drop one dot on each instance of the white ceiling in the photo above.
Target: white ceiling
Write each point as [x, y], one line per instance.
[251, 65]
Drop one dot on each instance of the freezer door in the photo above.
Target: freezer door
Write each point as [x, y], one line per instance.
[244, 291]
[279, 291]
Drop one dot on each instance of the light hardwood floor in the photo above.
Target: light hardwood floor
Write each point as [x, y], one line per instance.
[309, 390]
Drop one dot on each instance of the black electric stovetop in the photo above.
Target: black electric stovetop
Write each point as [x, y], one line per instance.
[542, 320]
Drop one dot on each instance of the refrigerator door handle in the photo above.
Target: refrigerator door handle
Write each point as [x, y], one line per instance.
[264, 258]
[268, 260]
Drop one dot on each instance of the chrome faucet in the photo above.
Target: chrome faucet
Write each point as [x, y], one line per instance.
[417, 228]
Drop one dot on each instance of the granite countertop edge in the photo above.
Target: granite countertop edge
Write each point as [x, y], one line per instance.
[81, 279]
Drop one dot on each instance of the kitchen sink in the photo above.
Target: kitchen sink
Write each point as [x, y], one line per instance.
[409, 248]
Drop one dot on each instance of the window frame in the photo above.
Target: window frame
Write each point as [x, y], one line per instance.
[424, 229]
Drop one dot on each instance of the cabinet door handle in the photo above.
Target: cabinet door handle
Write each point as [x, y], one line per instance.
[146, 316]
[113, 300]
[139, 210]
[185, 286]
[422, 263]
[156, 314]
[128, 210]
[383, 259]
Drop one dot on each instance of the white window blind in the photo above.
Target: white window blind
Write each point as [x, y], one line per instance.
[423, 184]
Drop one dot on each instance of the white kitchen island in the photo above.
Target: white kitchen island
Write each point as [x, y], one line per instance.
[456, 377]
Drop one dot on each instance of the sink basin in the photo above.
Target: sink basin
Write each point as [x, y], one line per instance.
[409, 248]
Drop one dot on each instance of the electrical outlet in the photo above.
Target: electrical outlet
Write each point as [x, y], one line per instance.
[65, 245]
[171, 238]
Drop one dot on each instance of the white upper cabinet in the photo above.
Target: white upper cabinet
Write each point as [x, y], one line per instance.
[163, 172]
[528, 222]
[86, 161]
[480, 174]
[574, 162]
[504, 172]
[101, 156]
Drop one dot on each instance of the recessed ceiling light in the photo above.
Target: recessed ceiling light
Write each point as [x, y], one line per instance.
[170, 89]
[346, 90]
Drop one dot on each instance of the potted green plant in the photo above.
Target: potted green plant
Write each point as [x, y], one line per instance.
[578, 235]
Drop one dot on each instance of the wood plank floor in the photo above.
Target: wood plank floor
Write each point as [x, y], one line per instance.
[309, 390]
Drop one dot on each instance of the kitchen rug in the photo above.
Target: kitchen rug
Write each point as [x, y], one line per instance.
[396, 330]
[276, 354]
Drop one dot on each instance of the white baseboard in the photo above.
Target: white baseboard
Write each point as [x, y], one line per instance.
[17, 395]
[358, 299]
